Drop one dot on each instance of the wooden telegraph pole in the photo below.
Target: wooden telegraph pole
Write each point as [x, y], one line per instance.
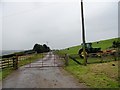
[83, 33]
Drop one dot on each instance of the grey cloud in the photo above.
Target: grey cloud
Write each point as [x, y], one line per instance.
[59, 23]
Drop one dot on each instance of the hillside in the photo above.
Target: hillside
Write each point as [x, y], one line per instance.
[103, 44]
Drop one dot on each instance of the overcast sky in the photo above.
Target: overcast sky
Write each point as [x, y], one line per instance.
[58, 22]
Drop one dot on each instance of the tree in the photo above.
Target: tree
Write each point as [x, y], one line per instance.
[41, 48]
[116, 44]
[46, 48]
[37, 48]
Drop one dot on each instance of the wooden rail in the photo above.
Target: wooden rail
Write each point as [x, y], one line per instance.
[12, 62]
[97, 57]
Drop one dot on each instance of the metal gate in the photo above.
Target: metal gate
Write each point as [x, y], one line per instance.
[47, 60]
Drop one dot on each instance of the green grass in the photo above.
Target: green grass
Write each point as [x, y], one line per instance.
[29, 60]
[95, 74]
[104, 44]
[0, 75]
[5, 72]
[72, 50]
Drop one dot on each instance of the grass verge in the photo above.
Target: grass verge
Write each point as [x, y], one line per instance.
[29, 60]
[103, 75]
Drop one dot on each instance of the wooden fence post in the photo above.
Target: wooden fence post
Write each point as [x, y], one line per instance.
[8, 62]
[66, 59]
[42, 59]
[54, 59]
[101, 57]
[15, 62]
[115, 56]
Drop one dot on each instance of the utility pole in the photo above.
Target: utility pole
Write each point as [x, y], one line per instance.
[83, 33]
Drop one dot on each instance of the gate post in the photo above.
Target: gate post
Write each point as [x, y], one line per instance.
[15, 62]
[115, 56]
[101, 58]
[42, 59]
[54, 59]
[8, 62]
[66, 59]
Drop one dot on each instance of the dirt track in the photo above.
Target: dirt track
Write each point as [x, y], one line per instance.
[33, 76]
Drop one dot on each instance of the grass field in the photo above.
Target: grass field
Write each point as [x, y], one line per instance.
[96, 74]
[102, 44]
[5, 72]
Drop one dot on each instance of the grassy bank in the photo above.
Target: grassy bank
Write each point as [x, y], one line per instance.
[103, 75]
[5, 72]
[95, 74]
[103, 44]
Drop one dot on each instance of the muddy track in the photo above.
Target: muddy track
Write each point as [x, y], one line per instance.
[32, 76]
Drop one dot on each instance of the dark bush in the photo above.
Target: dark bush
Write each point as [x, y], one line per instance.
[41, 48]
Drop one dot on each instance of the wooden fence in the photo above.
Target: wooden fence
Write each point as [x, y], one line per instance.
[92, 58]
[12, 62]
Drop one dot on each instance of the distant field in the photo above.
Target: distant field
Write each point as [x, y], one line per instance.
[96, 74]
[6, 52]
